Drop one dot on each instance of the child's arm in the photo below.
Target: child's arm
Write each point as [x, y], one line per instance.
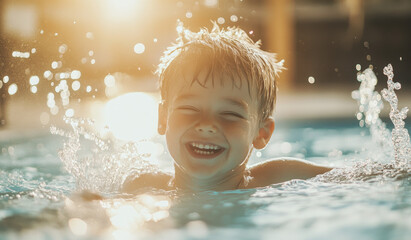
[281, 170]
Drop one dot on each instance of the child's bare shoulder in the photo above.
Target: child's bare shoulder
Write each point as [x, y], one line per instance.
[159, 180]
[283, 169]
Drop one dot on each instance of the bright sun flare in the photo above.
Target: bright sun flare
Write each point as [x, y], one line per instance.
[132, 116]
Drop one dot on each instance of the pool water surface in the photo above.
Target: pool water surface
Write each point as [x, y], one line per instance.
[38, 196]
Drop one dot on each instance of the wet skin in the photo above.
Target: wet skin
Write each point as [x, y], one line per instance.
[211, 129]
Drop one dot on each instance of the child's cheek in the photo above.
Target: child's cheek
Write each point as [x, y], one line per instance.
[235, 128]
[178, 119]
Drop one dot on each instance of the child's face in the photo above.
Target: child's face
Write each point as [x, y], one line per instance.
[210, 130]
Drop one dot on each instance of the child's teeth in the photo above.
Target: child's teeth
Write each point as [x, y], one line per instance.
[204, 146]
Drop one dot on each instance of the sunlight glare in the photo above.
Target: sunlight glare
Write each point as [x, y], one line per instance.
[77, 226]
[126, 217]
[132, 116]
[121, 10]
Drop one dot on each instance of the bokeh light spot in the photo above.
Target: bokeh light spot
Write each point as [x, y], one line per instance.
[12, 89]
[75, 85]
[110, 81]
[139, 48]
[34, 80]
[311, 79]
[220, 20]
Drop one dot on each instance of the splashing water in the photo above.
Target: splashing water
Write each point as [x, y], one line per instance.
[394, 148]
[370, 106]
[105, 170]
[400, 136]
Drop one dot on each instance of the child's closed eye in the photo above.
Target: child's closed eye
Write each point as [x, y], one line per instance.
[233, 115]
[188, 109]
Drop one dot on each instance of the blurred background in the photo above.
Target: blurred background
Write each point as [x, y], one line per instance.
[96, 58]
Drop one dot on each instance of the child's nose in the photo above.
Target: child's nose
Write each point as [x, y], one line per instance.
[206, 127]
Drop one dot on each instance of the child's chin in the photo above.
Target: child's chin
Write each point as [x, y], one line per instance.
[203, 173]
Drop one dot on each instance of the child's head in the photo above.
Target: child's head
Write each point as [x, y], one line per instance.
[231, 52]
[218, 92]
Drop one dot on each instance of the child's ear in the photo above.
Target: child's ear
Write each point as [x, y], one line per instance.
[162, 119]
[264, 133]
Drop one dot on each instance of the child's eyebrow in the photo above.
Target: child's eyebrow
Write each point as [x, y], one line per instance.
[232, 101]
[236, 102]
[184, 97]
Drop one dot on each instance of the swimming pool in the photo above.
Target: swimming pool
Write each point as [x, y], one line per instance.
[366, 196]
[37, 203]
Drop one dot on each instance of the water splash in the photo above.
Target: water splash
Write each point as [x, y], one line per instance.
[101, 166]
[370, 106]
[392, 161]
[400, 136]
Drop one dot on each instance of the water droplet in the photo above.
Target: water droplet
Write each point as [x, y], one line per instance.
[75, 74]
[89, 35]
[88, 89]
[220, 20]
[19, 54]
[6, 79]
[139, 48]
[54, 65]
[84, 60]
[311, 80]
[251, 32]
[400, 58]
[180, 29]
[93, 61]
[12, 89]
[358, 67]
[63, 48]
[56, 34]
[110, 81]
[91, 53]
[41, 31]
[54, 110]
[48, 75]
[1, 84]
[51, 103]
[189, 14]
[361, 123]
[33, 89]
[64, 75]
[366, 44]
[75, 85]
[34, 80]
[155, 40]
[368, 57]
[69, 112]
[234, 18]
[33, 50]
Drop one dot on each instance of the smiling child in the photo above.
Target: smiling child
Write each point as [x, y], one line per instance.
[218, 91]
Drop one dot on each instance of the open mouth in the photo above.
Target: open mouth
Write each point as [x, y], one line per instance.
[204, 150]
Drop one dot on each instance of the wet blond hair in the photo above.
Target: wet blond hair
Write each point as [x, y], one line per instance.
[222, 51]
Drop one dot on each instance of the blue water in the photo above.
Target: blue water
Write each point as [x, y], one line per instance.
[38, 200]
